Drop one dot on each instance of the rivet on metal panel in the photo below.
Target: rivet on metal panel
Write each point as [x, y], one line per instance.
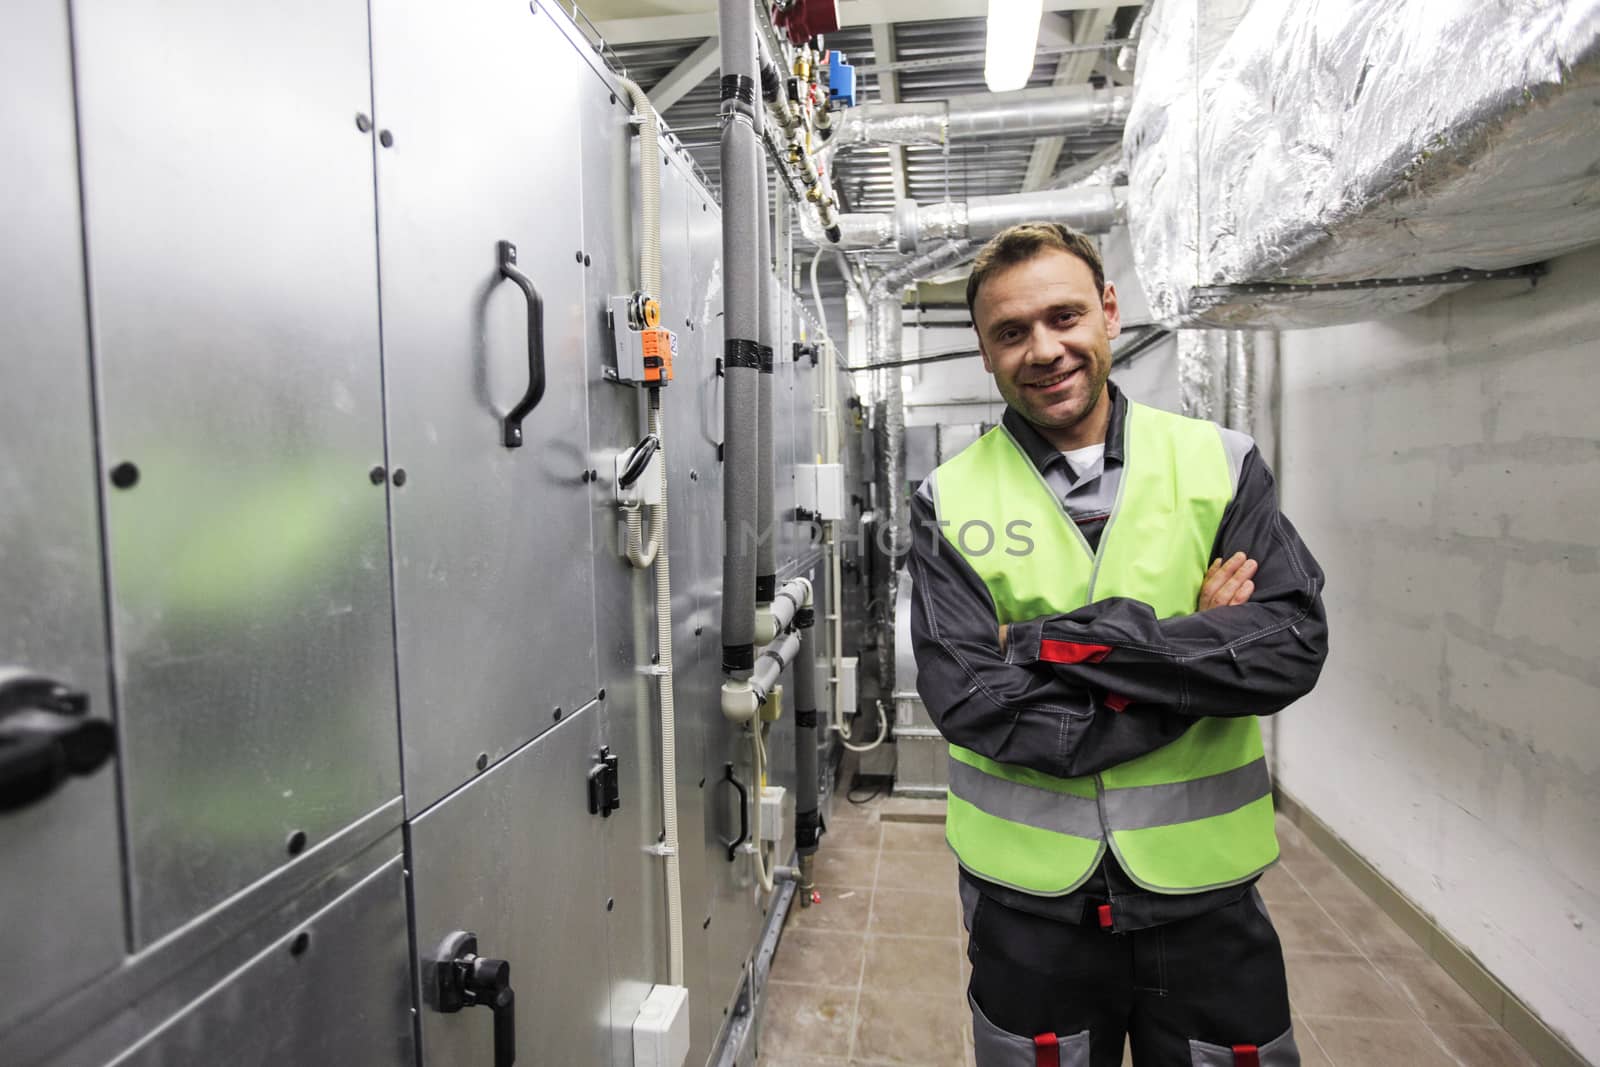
[125, 475]
[694, 476]
[399, 477]
[702, 783]
[706, 926]
[600, 695]
[483, 760]
[580, 255]
[556, 715]
[611, 902]
[297, 842]
[363, 123]
[698, 630]
[594, 475]
[301, 942]
[377, 474]
[586, 260]
[655, 657]
[386, 138]
[613, 98]
[584, 477]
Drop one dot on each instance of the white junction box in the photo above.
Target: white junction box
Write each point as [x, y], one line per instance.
[661, 1029]
[772, 812]
[819, 490]
[847, 685]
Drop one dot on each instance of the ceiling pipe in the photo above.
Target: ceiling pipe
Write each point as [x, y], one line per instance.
[1043, 112]
[1089, 208]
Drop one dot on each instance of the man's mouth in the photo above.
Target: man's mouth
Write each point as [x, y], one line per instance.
[1053, 380]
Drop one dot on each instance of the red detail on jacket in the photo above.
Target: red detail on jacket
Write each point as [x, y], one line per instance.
[1046, 1051]
[1117, 702]
[1246, 1056]
[1105, 916]
[1052, 651]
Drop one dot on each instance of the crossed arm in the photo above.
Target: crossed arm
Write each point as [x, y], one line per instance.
[1075, 693]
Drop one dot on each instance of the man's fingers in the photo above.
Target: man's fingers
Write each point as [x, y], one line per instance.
[1230, 589]
[1243, 595]
[1218, 576]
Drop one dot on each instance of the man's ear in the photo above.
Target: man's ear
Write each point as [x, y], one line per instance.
[1113, 314]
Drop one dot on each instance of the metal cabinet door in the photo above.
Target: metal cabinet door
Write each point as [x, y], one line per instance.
[229, 214]
[515, 859]
[334, 990]
[494, 570]
[60, 860]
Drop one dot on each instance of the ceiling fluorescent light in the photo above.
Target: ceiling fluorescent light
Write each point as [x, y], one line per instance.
[1013, 36]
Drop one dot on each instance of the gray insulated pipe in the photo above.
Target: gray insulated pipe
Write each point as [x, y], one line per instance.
[1043, 112]
[766, 527]
[741, 323]
[807, 812]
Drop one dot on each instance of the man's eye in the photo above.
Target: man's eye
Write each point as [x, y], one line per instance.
[1066, 318]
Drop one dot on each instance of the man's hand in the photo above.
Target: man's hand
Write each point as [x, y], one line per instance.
[1002, 637]
[1227, 584]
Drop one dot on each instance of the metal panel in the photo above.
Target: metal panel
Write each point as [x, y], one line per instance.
[494, 573]
[63, 867]
[511, 858]
[334, 990]
[691, 250]
[624, 614]
[229, 208]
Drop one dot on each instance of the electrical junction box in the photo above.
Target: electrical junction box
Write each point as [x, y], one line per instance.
[819, 490]
[847, 685]
[644, 350]
[646, 489]
[661, 1029]
[776, 813]
[841, 80]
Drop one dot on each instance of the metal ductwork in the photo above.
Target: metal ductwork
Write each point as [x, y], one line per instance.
[1045, 112]
[1090, 208]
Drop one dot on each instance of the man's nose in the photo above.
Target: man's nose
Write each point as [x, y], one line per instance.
[1044, 345]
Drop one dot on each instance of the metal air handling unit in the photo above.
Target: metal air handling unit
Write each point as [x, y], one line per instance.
[311, 438]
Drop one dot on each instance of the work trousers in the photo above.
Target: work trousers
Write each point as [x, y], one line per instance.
[1207, 991]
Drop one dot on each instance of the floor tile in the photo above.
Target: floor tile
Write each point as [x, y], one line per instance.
[821, 957]
[929, 872]
[781, 1059]
[1311, 1054]
[850, 833]
[842, 908]
[912, 965]
[1327, 884]
[1345, 986]
[1433, 994]
[1306, 928]
[1279, 887]
[806, 1020]
[1373, 932]
[922, 1030]
[907, 911]
[853, 867]
[1369, 1042]
[914, 837]
[1481, 1046]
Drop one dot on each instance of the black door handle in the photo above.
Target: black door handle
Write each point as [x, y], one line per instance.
[744, 812]
[511, 428]
[45, 737]
[457, 977]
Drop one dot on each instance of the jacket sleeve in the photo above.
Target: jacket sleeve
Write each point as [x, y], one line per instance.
[1254, 659]
[982, 699]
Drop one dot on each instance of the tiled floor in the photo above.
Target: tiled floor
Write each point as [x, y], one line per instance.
[876, 973]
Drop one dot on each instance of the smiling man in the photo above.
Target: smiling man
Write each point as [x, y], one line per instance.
[1105, 598]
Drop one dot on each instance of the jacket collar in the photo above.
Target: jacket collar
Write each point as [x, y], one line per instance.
[1044, 455]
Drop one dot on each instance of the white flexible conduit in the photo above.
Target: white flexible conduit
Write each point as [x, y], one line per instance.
[650, 278]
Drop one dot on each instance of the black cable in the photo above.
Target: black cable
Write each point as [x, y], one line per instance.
[639, 461]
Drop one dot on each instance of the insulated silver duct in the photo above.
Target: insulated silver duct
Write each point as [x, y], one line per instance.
[741, 322]
[1202, 363]
[1044, 112]
[1090, 208]
[884, 301]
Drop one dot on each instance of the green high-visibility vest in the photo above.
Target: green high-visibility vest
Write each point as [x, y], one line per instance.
[1193, 815]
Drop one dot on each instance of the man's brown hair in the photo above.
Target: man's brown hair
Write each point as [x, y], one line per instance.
[1021, 243]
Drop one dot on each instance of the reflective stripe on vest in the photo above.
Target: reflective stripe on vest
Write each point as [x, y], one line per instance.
[1192, 815]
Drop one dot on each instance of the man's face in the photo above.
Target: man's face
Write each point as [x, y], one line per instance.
[1045, 334]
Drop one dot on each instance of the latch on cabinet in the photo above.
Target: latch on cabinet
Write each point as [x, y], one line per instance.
[605, 785]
